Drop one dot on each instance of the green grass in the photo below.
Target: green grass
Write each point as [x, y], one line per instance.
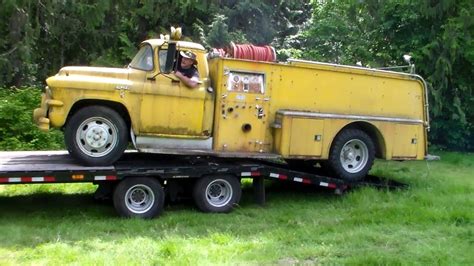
[429, 223]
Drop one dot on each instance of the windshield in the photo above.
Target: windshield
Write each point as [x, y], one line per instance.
[143, 60]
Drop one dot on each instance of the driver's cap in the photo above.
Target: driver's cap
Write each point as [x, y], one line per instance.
[190, 55]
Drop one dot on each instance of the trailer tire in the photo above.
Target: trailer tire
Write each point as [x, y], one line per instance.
[96, 135]
[352, 155]
[217, 193]
[139, 197]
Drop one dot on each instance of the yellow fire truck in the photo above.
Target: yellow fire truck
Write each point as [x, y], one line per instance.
[334, 116]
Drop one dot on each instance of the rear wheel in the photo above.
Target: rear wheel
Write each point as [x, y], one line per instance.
[351, 155]
[217, 193]
[139, 197]
[96, 135]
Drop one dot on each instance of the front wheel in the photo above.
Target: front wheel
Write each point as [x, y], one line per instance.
[217, 193]
[96, 135]
[351, 155]
[139, 197]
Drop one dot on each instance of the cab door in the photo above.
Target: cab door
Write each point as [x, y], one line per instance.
[169, 108]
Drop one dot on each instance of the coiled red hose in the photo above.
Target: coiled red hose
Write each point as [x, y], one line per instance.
[248, 51]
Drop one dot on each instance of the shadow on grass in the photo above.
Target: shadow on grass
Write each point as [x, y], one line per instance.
[33, 219]
[59, 205]
[53, 205]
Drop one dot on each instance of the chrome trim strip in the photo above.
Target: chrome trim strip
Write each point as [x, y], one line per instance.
[352, 117]
[221, 154]
[146, 142]
[374, 70]
[427, 105]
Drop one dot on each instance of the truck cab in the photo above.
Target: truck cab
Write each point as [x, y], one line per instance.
[102, 109]
[169, 110]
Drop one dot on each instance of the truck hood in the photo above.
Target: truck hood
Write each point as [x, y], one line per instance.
[98, 78]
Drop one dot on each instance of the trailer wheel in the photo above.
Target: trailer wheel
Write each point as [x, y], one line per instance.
[351, 155]
[139, 197]
[96, 135]
[217, 193]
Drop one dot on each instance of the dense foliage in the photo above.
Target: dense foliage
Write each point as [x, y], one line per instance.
[39, 37]
[18, 131]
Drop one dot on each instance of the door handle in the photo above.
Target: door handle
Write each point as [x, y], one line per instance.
[260, 112]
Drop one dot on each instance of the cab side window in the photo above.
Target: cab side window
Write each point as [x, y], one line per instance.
[167, 58]
[167, 61]
[162, 59]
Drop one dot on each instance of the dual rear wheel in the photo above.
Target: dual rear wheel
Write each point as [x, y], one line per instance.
[217, 193]
[143, 197]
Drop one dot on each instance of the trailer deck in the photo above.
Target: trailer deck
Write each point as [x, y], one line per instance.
[169, 170]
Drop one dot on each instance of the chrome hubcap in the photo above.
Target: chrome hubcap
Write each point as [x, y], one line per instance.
[139, 199]
[96, 136]
[219, 193]
[354, 156]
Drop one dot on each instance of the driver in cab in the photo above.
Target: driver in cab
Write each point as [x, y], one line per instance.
[187, 71]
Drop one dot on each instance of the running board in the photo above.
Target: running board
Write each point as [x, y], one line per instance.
[220, 154]
[200, 147]
[161, 143]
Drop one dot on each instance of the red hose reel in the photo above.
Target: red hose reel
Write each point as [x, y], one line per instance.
[248, 51]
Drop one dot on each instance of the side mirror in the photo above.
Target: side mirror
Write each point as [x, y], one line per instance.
[170, 58]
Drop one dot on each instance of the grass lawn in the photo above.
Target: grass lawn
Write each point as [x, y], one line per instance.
[429, 223]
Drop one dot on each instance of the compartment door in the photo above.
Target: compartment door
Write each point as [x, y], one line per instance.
[405, 141]
[242, 113]
[306, 137]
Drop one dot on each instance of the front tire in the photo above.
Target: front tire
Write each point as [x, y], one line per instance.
[139, 197]
[217, 193]
[352, 155]
[96, 136]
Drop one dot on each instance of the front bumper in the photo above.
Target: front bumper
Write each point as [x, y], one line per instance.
[40, 115]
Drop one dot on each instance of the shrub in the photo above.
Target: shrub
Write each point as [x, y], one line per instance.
[17, 129]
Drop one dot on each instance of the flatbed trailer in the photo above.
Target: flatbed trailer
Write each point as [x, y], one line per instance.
[138, 183]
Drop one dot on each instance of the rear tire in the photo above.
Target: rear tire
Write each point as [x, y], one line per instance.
[96, 136]
[139, 197]
[352, 155]
[217, 193]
